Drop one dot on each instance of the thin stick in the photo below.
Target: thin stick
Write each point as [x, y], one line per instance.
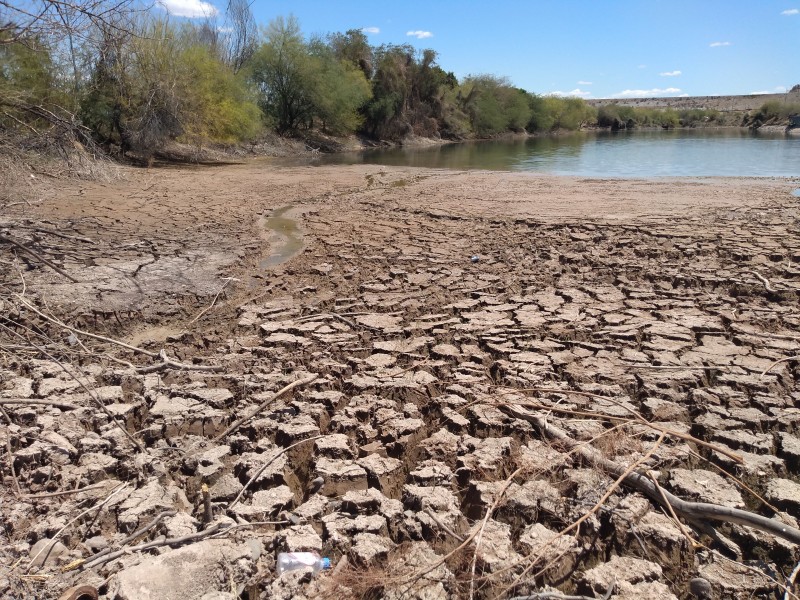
[214, 301]
[168, 363]
[790, 582]
[671, 510]
[139, 532]
[99, 507]
[762, 279]
[39, 257]
[479, 538]
[777, 362]
[239, 422]
[264, 468]
[640, 419]
[10, 453]
[39, 402]
[88, 488]
[85, 333]
[637, 481]
[192, 537]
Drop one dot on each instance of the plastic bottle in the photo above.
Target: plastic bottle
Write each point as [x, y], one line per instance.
[290, 561]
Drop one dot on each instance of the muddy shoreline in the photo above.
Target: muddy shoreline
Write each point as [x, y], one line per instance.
[588, 300]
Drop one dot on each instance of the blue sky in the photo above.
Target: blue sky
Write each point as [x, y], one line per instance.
[587, 48]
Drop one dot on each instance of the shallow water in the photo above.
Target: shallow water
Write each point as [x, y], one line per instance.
[289, 239]
[675, 153]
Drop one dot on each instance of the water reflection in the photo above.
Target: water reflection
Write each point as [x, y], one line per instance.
[721, 152]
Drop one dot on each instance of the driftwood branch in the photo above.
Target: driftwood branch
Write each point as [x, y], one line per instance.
[39, 402]
[241, 421]
[38, 257]
[640, 483]
[168, 363]
[264, 468]
[178, 541]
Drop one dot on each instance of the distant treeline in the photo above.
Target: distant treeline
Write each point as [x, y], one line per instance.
[135, 81]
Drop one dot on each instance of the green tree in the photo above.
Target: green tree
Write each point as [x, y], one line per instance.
[339, 89]
[494, 105]
[283, 72]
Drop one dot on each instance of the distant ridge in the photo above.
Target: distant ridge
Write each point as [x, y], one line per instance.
[720, 103]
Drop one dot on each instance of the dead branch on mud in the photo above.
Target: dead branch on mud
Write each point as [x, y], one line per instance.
[38, 257]
[241, 421]
[640, 483]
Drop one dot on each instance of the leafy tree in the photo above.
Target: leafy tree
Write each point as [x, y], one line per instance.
[353, 47]
[494, 105]
[339, 89]
[282, 71]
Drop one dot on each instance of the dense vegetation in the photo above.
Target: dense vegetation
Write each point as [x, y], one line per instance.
[616, 116]
[132, 81]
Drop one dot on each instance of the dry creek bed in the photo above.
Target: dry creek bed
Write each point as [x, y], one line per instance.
[616, 310]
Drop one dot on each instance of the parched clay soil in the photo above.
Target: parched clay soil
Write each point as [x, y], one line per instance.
[415, 305]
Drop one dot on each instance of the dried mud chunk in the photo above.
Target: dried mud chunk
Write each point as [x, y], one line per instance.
[209, 464]
[496, 549]
[340, 476]
[789, 450]
[368, 548]
[557, 554]
[730, 579]
[620, 569]
[187, 416]
[705, 486]
[299, 538]
[98, 466]
[216, 397]
[226, 488]
[648, 590]
[145, 502]
[757, 443]
[528, 501]
[266, 504]
[340, 528]
[540, 457]
[416, 557]
[487, 457]
[431, 473]
[299, 428]
[279, 471]
[785, 494]
[441, 445]
[385, 474]
[336, 445]
[188, 572]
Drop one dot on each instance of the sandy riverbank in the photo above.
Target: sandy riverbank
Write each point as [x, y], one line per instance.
[673, 299]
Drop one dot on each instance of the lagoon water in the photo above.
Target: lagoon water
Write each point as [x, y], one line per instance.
[675, 153]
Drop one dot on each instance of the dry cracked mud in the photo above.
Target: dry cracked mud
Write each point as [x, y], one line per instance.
[420, 305]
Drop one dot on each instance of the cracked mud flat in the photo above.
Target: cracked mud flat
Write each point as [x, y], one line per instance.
[671, 298]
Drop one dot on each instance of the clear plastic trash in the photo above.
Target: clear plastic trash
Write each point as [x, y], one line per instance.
[291, 561]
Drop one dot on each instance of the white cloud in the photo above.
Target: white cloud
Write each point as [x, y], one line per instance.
[652, 93]
[719, 44]
[584, 83]
[419, 34]
[371, 29]
[642, 67]
[670, 73]
[578, 93]
[791, 11]
[780, 89]
[191, 9]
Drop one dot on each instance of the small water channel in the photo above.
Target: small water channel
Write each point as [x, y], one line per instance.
[677, 153]
[284, 233]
